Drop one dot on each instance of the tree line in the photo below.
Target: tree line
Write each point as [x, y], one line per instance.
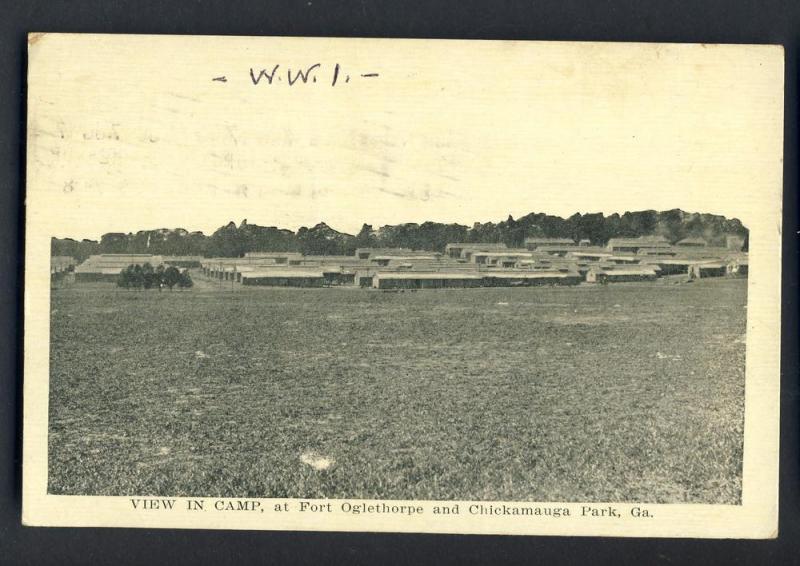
[231, 240]
[137, 276]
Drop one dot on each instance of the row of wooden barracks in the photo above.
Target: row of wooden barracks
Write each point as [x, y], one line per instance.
[543, 261]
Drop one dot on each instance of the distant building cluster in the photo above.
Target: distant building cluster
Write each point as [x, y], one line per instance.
[107, 267]
[543, 261]
[62, 264]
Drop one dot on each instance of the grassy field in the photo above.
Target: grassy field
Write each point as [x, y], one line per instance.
[628, 392]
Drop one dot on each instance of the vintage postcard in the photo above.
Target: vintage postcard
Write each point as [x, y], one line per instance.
[402, 285]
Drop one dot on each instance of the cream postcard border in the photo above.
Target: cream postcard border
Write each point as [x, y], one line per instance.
[756, 517]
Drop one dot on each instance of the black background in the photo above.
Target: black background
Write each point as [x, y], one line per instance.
[742, 21]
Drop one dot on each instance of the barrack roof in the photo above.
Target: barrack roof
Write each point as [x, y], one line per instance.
[404, 257]
[488, 245]
[503, 254]
[590, 251]
[641, 241]
[425, 275]
[649, 271]
[286, 273]
[535, 240]
[531, 275]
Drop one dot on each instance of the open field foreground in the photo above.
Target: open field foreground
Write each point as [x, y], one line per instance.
[627, 392]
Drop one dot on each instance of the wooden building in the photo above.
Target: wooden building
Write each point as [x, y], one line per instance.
[107, 267]
[708, 269]
[639, 273]
[425, 280]
[534, 243]
[531, 279]
[691, 243]
[670, 266]
[507, 259]
[62, 264]
[370, 253]
[284, 278]
[464, 251]
[589, 254]
[739, 266]
[633, 245]
[185, 261]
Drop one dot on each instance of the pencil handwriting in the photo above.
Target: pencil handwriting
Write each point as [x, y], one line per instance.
[331, 75]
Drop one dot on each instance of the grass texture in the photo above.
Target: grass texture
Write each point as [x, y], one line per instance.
[627, 392]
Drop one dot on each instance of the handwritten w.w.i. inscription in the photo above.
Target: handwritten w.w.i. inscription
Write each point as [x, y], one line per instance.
[300, 75]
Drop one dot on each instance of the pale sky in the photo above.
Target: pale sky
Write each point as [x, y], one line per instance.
[129, 133]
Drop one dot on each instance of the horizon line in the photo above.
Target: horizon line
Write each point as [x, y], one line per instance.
[294, 231]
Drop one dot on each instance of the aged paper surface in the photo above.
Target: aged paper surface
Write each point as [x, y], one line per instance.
[403, 285]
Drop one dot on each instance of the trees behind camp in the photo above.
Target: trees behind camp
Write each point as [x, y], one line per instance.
[231, 240]
[146, 277]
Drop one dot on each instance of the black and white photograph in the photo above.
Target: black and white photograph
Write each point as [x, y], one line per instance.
[313, 280]
[601, 360]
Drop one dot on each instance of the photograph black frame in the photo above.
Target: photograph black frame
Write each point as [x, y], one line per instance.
[707, 21]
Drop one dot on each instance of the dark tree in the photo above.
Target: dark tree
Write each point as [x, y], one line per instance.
[159, 277]
[137, 277]
[171, 276]
[228, 241]
[125, 277]
[185, 280]
[148, 276]
[114, 243]
[366, 237]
